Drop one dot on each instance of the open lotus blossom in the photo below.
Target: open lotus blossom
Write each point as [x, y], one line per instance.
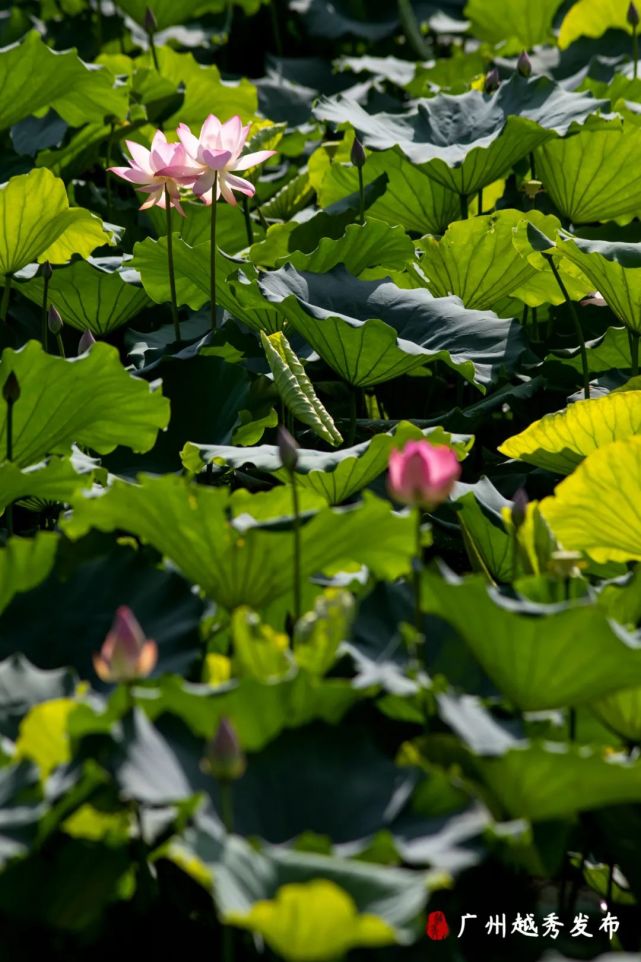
[422, 474]
[126, 653]
[151, 171]
[215, 156]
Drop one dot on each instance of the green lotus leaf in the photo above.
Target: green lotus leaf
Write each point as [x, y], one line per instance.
[522, 23]
[25, 563]
[375, 244]
[91, 400]
[476, 259]
[469, 141]
[559, 442]
[621, 712]
[590, 177]
[40, 225]
[595, 509]
[591, 18]
[313, 921]
[238, 564]
[552, 780]
[33, 76]
[335, 475]
[538, 656]
[170, 12]
[98, 295]
[411, 199]
[296, 389]
[615, 271]
[192, 267]
[51, 480]
[370, 332]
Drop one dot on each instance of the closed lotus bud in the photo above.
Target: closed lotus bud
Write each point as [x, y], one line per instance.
[423, 474]
[524, 64]
[633, 16]
[358, 153]
[86, 341]
[520, 502]
[492, 81]
[151, 24]
[224, 758]
[11, 389]
[54, 320]
[288, 449]
[126, 654]
[46, 270]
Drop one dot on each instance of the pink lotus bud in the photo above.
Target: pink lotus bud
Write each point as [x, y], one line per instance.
[358, 157]
[288, 449]
[54, 320]
[422, 473]
[126, 653]
[524, 64]
[520, 502]
[86, 341]
[633, 16]
[224, 758]
[492, 81]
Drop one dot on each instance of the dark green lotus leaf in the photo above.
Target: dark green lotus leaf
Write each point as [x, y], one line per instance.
[332, 20]
[540, 656]
[373, 331]
[375, 244]
[470, 140]
[55, 479]
[238, 562]
[98, 295]
[490, 547]
[33, 76]
[23, 685]
[25, 563]
[91, 400]
[20, 817]
[336, 475]
[66, 618]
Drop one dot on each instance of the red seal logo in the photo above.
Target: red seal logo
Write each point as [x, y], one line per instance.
[437, 928]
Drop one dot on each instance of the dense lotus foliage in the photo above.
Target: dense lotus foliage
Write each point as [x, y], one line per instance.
[320, 480]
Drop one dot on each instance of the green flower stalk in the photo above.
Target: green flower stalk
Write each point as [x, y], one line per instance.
[11, 394]
[633, 20]
[151, 25]
[358, 159]
[577, 325]
[170, 268]
[46, 272]
[288, 450]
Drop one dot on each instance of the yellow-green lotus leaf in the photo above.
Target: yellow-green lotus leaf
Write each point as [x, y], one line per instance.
[596, 509]
[559, 442]
[591, 18]
[621, 712]
[313, 922]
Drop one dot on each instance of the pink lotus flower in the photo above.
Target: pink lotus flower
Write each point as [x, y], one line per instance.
[422, 474]
[126, 653]
[217, 152]
[151, 171]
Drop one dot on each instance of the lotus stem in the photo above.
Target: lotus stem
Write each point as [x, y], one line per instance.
[635, 50]
[45, 313]
[261, 217]
[276, 28]
[297, 547]
[464, 207]
[633, 337]
[170, 268]
[417, 567]
[572, 724]
[480, 201]
[532, 166]
[361, 196]
[248, 221]
[577, 326]
[154, 53]
[6, 294]
[214, 210]
[61, 347]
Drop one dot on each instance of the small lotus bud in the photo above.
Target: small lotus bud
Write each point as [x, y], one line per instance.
[46, 270]
[54, 320]
[524, 64]
[288, 449]
[423, 474]
[358, 153]
[633, 16]
[86, 341]
[224, 758]
[126, 653]
[519, 507]
[11, 389]
[492, 80]
[150, 22]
